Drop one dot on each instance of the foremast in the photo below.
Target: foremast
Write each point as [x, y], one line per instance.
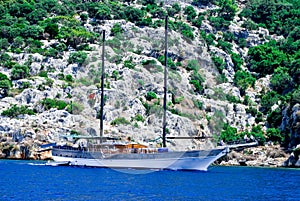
[165, 82]
[102, 88]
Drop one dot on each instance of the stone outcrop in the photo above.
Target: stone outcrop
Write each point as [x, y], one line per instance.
[294, 159]
[265, 156]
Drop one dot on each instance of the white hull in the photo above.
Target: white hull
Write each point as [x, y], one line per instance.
[180, 163]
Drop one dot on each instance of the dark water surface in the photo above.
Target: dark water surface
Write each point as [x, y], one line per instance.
[27, 180]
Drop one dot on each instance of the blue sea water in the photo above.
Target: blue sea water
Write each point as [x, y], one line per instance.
[27, 180]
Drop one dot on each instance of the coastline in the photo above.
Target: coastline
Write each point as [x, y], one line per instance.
[260, 156]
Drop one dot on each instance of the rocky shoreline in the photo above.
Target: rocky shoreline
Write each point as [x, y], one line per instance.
[260, 156]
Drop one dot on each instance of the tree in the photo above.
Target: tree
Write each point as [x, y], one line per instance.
[227, 9]
[237, 61]
[103, 12]
[36, 15]
[229, 133]
[264, 59]
[4, 43]
[5, 83]
[175, 9]
[268, 100]
[258, 134]
[278, 16]
[19, 72]
[33, 31]
[75, 35]
[190, 12]
[197, 80]
[275, 135]
[134, 14]
[202, 2]
[77, 57]
[274, 118]
[18, 42]
[243, 80]
[52, 30]
[281, 81]
[219, 63]
[295, 96]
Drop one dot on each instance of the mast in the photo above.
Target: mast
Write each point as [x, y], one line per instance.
[102, 87]
[165, 82]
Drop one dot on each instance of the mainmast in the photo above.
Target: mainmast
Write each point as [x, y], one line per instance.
[165, 82]
[102, 88]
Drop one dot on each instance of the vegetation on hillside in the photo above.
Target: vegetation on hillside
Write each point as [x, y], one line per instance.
[25, 25]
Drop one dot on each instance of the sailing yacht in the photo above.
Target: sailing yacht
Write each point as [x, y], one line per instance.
[130, 155]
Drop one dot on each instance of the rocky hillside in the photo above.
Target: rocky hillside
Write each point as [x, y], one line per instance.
[229, 74]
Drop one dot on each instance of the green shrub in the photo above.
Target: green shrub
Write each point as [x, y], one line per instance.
[49, 82]
[77, 57]
[221, 78]
[226, 46]
[19, 72]
[5, 84]
[237, 61]
[43, 74]
[264, 59]
[258, 134]
[252, 111]
[281, 81]
[49, 103]
[149, 62]
[75, 108]
[198, 104]
[274, 118]
[242, 42]
[190, 12]
[219, 63]
[69, 78]
[197, 80]
[52, 29]
[275, 135]
[243, 80]
[209, 38]
[129, 64]
[183, 28]
[295, 97]
[134, 15]
[229, 134]
[178, 100]
[175, 9]
[138, 117]
[232, 99]
[250, 25]
[120, 120]
[15, 111]
[259, 117]
[170, 62]
[268, 100]
[116, 29]
[193, 65]
[51, 52]
[151, 95]
[25, 85]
